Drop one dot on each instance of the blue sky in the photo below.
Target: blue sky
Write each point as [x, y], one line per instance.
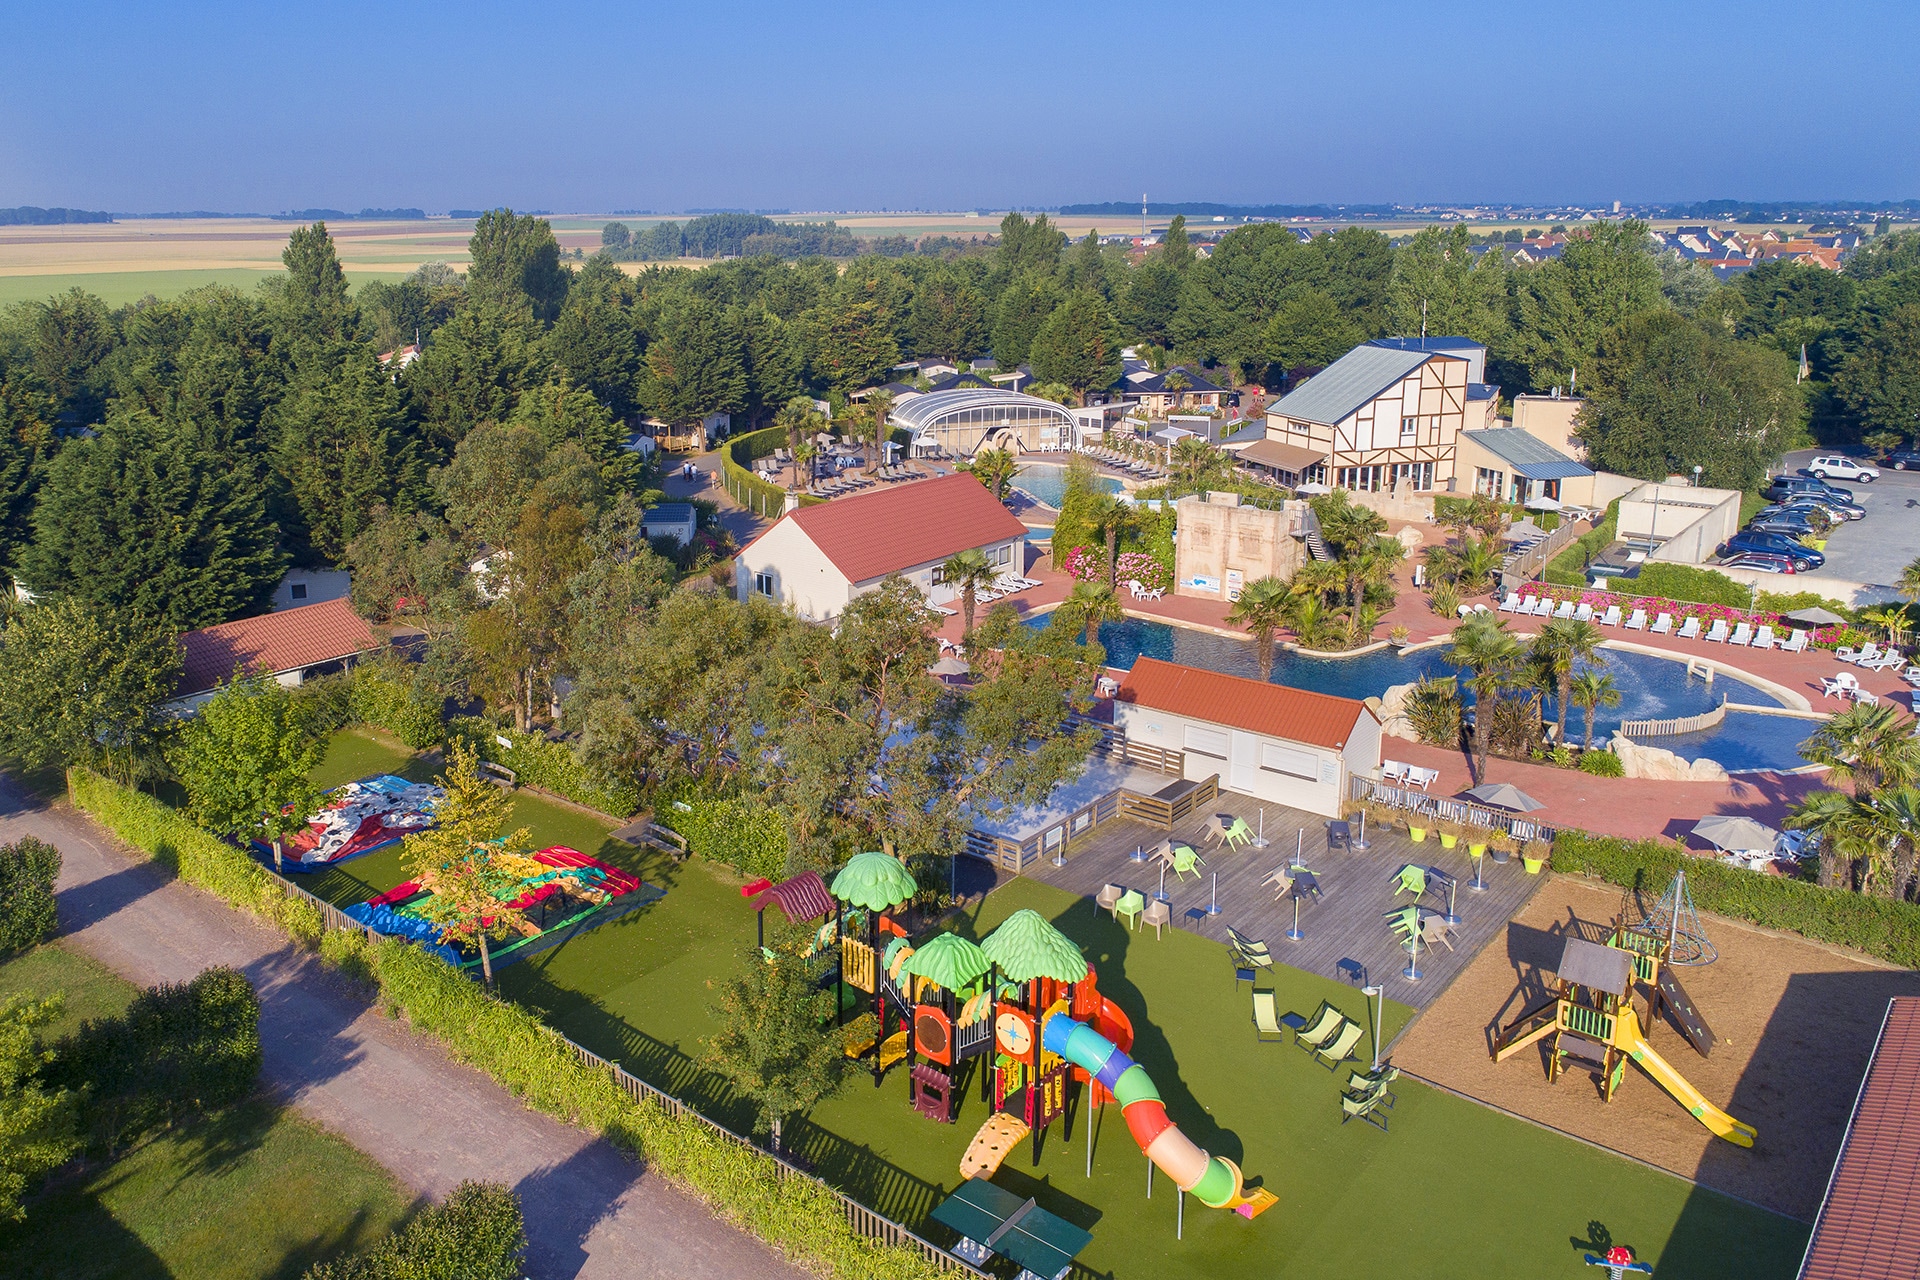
[593, 107]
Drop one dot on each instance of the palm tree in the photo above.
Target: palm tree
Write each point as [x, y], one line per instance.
[1194, 461]
[1318, 578]
[1870, 746]
[1307, 615]
[1879, 834]
[1092, 604]
[1589, 689]
[1262, 608]
[993, 468]
[968, 572]
[798, 416]
[1562, 645]
[1112, 517]
[1909, 584]
[1484, 646]
[879, 405]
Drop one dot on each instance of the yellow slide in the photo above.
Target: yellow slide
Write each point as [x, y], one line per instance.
[1627, 1036]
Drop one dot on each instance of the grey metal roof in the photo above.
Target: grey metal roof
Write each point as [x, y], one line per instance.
[1349, 382]
[1528, 455]
[922, 411]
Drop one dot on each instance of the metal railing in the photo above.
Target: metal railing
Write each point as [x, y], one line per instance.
[1440, 807]
[1532, 562]
[865, 1221]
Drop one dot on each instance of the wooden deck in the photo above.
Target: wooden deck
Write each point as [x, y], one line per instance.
[1346, 933]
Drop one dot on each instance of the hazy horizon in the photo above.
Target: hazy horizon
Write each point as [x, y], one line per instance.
[597, 107]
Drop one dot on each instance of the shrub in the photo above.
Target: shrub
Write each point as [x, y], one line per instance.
[1686, 582]
[1444, 599]
[393, 696]
[478, 1234]
[193, 855]
[1602, 764]
[539, 762]
[178, 1049]
[28, 869]
[1433, 709]
[748, 835]
[1881, 927]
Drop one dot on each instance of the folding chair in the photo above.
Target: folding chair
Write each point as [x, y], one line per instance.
[1266, 1023]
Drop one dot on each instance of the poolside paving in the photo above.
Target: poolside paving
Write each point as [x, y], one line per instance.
[1347, 935]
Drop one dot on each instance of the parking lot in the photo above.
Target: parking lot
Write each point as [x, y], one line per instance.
[1874, 550]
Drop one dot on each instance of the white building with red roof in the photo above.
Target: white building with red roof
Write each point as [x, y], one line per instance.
[1275, 743]
[288, 645]
[817, 559]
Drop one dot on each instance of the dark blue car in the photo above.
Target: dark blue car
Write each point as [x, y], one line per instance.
[1803, 556]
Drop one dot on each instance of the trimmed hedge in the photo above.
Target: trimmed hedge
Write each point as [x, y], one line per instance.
[190, 853]
[478, 1234]
[551, 766]
[799, 1216]
[388, 698]
[1878, 926]
[749, 836]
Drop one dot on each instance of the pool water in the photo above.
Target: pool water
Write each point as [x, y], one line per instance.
[1651, 688]
[1047, 484]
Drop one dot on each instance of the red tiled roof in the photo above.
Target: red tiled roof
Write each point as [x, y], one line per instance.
[1253, 705]
[921, 522]
[1865, 1229]
[272, 643]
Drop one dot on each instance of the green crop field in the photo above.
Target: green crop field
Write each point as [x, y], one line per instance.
[117, 288]
[1454, 1189]
[252, 1193]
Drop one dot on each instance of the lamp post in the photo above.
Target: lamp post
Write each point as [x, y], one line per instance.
[1696, 475]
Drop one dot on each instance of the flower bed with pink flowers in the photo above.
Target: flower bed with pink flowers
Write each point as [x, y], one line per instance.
[1088, 564]
[1601, 601]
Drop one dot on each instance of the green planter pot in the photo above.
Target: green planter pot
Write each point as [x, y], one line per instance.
[1533, 865]
[1419, 834]
[1448, 840]
[1477, 850]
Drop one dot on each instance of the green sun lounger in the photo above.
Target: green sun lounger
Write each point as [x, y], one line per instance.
[1311, 1034]
[1266, 1022]
[1338, 1050]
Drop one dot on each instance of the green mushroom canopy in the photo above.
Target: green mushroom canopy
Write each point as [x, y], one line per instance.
[1026, 947]
[875, 881]
[948, 960]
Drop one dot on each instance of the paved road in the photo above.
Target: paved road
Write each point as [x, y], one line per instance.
[591, 1211]
[743, 524]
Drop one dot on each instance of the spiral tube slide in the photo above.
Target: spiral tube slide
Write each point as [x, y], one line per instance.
[1214, 1180]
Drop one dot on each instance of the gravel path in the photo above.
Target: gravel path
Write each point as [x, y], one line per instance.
[590, 1210]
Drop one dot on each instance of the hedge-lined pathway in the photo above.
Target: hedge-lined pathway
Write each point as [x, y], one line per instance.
[590, 1210]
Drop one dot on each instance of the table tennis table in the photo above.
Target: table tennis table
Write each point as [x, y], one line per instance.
[992, 1220]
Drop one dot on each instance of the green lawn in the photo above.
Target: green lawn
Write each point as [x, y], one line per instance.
[1454, 1189]
[252, 1193]
[117, 288]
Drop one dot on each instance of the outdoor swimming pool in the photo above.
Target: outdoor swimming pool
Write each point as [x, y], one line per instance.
[1651, 688]
[1046, 483]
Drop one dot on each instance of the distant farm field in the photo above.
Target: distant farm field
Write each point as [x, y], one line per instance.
[117, 288]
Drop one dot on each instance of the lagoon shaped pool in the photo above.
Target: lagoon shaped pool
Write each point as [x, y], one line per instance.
[1047, 484]
[1651, 688]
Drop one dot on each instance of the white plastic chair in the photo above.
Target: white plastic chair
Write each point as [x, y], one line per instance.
[1564, 611]
[1511, 604]
[1795, 643]
[1764, 638]
[1741, 635]
[1583, 614]
[1661, 625]
[1638, 622]
[1719, 633]
[1612, 616]
[1690, 629]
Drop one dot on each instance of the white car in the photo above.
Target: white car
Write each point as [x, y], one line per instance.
[1840, 468]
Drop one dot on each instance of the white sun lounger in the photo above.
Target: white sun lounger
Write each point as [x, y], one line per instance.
[1690, 629]
[1795, 643]
[1638, 622]
[1542, 606]
[1565, 610]
[1661, 625]
[1393, 771]
[1612, 616]
[1869, 653]
[1583, 614]
[1719, 633]
[1511, 604]
[1764, 638]
[1742, 634]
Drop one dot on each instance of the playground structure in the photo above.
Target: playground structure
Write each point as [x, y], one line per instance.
[1590, 1018]
[357, 819]
[562, 893]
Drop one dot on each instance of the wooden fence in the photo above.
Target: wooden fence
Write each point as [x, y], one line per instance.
[866, 1221]
[1170, 805]
[1675, 726]
[1465, 812]
[1533, 562]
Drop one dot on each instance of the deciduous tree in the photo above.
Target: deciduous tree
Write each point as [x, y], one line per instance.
[83, 684]
[245, 759]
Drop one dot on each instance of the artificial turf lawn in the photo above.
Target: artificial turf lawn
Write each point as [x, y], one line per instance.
[250, 1193]
[1453, 1189]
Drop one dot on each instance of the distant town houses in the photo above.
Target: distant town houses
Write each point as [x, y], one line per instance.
[1727, 251]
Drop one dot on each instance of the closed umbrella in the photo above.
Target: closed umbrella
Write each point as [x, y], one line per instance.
[1504, 795]
[1816, 617]
[1736, 834]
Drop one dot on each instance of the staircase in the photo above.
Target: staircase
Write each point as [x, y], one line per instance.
[1317, 546]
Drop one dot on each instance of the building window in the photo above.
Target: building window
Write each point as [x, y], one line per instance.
[1294, 424]
[1006, 554]
[1409, 430]
[938, 576]
[1416, 477]
[1360, 479]
[297, 591]
[763, 583]
[1491, 483]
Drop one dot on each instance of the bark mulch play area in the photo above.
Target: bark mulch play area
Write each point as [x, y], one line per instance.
[1795, 1023]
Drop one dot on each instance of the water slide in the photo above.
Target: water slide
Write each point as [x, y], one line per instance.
[1214, 1179]
[1627, 1036]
